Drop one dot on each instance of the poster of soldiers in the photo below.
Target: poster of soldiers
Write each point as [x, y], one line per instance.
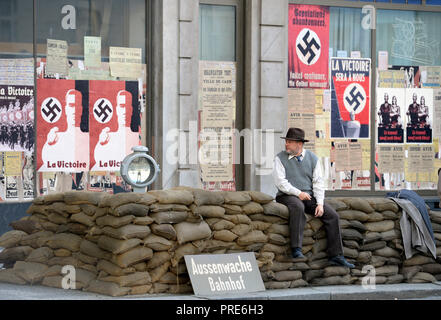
[390, 115]
[16, 118]
[350, 96]
[419, 115]
[308, 46]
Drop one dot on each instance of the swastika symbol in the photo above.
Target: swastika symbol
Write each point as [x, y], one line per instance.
[102, 110]
[354, 98]
[308, 46]
[51, 110]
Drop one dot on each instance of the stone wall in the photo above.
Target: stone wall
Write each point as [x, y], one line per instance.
[135, 243]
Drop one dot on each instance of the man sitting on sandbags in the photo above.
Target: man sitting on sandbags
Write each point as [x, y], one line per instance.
[298, 178]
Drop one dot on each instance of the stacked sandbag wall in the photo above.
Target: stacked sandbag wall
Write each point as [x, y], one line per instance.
[135, 243]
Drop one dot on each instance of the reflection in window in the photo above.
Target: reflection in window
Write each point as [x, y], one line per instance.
[217, 33]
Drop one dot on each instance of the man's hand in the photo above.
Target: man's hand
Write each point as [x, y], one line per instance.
[304, 196]
[319, 211]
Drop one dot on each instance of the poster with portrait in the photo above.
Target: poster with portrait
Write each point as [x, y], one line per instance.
[63, 129]
[350, 98]
[114, 122]
[419, 115]
[308, 46]
[16, 118]
[390, 115]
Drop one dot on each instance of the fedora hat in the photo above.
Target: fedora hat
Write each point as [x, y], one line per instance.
[295, 134]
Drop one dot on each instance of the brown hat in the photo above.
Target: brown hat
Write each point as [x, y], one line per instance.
[295, 134]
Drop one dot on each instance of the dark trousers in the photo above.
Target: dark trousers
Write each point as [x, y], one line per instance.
[297, 220]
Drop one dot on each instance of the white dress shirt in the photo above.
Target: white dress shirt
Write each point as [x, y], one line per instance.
[283, 185]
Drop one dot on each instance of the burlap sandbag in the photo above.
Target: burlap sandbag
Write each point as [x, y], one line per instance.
[333, 271]
[223, 225]
[135, 209]
[159, 271]
[134, 279]
[350, 253]
[85, 258]
[417, 260]
[112, 269]
[80, 197]
[337, 204]
[390, 215]
[186, 231]
[319, 245]
[383, 204]
[359, 204]
[387, 252]
[269, 247]
[113, 221]
[213, 245]
[276, 209]
[241, 229]
[289, 275]
[238, 219]
[277, 285]
[375, 217]
[117, 246]
[232, 209]
[254, 236]
[397, 278]
[157, 243]
[138, 290]
[381, 226]
[208, 211]
[386, 271]
[115, 200]
[143, 221]
[282, 229]
[260, 197]
[132, 256]
[171, 278]
[186, 249]
[65, 240]
[75, 228]
[12, 238]
[353, 215]
[267, 218]
[107, 288]
[164, 230]
[202, 197]
[83, 219]
[330, 281]
[260, 225]
[127, 232]
[169, 216]
[62, 253]
[37, 239]
[49, 226]
[91, 249]
[225, 235]
[351, 234]
[370, 237]
[351, 244]
[373, 246]
[9, 276]
[31, 272]
[435, 216]
[159, 258]
[159, 207]
[411, 271]
[88, 209]
[63, 209]
[239, 198]
[26, 225]
[40, 255]
[57, 218]
[50, 198]
[432, 268]
[252, 208]
[423, 277]
[11, 255]
[172, 196]
[390, 235]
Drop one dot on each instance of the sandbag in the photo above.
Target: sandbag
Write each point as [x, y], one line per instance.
[14, 254]
[276, 209]
[236, 197]
[158, 259]
[381, 226]
[282, 229]
[288, 275]
[260, 225]
[91, 249]
[26, 225]
[353, 215]
[423, 277]
[277, 239]
[107, 288]
[135, 209]
[76, 228]
[62, 253]
[83, 219]
[134, 279]
[113, 269]
[119, 199]
[159, 207]
[375, 217]
[127, 232]
[359, 204]
[333, 271]
[169, 216]
[37, 239]
[267, 218]
[225, 235]
[164, 230]
[202, 197]
[157, 243]
[223, 225]
[9, 276]
[260, 197]
[186, 231]
[12, 238]
[40, 255]
[232, 209]
[241, 229]
[132, 256]
[252, 208]
[252, 237]
[31, 272]
[83, 197]
[208, 211]
[65, 240]
[351, 234]
[159, 271]
[383, 204]
[336, 204]
[238, 219]
[172, 196]
[113, 221]
[143, 221]
[186, 249]
[117, 246]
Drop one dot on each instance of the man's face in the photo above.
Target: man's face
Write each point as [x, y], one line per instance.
[386, 97]
[293, 147]
[414, 97]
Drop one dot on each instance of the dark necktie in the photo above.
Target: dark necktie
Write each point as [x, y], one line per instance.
[299, 158]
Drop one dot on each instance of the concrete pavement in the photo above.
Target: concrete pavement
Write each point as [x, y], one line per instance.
[401, 291]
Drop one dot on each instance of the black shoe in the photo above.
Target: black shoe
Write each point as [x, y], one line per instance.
[340, 261]
[297, 253]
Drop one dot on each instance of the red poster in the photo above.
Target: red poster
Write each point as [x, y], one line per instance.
[308, 46]
[114, 122]
[62, 131]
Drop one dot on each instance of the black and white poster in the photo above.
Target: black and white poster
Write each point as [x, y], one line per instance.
[390, 115]
[419, 115]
